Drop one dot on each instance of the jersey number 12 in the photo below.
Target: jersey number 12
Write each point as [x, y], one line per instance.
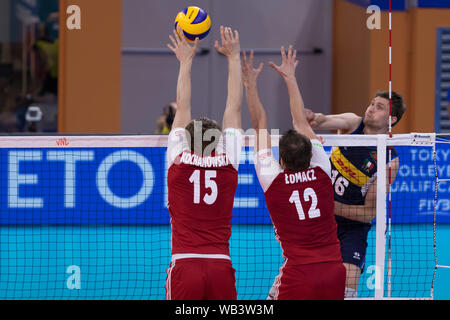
[308, 195]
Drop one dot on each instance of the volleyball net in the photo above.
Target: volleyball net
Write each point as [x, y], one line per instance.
[85, 217]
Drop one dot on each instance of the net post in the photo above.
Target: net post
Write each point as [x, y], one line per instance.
[380, 252]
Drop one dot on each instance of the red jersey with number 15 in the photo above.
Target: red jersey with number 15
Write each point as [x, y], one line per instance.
[201, 194]
[301, 206]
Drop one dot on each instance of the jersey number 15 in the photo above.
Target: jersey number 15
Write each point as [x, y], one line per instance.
[209, 184]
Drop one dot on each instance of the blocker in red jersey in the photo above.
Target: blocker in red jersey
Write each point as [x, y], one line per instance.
[202, 179]
[299, 195]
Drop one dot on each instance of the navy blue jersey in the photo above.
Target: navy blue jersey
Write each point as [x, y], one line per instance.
[353, 169]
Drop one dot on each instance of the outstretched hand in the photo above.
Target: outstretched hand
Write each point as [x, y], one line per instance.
[249, 74]
[288, 63]
[230, 42]
[182, 49]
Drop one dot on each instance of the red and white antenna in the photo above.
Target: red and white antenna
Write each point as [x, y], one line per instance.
[389, 148]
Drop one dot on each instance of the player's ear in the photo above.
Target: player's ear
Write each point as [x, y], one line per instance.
[394, 120]
[282, 163]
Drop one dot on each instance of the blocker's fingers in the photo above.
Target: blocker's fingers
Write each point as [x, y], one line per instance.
[196, 41]
[181, 36]
[236, 35]
[290, 52]
[273, 65]
[260, 67]
[244, 57]
[173, 40]
[222, 33]
[177, 35]
[225, 34]
[170, 47]
[229, 34]
[251, 57]
[283, 53]
[295, 55]
[232, 37]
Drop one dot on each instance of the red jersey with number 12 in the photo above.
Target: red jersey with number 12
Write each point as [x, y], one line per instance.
[301, 206]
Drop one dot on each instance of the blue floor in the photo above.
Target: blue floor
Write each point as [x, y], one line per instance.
[117, 262]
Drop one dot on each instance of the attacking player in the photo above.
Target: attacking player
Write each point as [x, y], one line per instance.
[354, 174]
[298, 193]
[202, 180]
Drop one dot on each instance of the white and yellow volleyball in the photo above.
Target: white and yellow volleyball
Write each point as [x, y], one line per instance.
[194, 22]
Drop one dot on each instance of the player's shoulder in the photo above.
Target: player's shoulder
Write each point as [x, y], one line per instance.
[356, 126]
[178, 131]
[319, 157]
[316, 143]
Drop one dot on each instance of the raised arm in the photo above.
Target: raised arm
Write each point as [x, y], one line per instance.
[185, 54]
[344, 122]
[287, 71]
[230, 48]
[255, 107]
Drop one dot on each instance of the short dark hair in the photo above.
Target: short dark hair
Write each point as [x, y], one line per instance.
[295, 150]
[194, 132]
[398, 107]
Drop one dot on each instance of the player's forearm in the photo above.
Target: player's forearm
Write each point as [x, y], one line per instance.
[184, 87]
[257, 113]
[343, 121]
[296, 102]
[327, 122]
[235, 88]
[362, 213]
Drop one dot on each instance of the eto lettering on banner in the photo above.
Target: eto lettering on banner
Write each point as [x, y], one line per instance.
[70, 159]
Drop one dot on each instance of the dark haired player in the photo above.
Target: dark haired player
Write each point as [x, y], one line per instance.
[202, 180]
[354, 175]
[298, 193]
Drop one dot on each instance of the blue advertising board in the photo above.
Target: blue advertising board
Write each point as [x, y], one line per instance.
[127, 186]
[102, 186]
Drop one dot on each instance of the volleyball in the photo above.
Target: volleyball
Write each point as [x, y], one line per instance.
[194, 22]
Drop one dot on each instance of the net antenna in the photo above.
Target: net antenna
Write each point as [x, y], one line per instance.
[389, 150]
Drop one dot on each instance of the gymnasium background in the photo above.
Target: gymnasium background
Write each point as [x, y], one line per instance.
[115, 75]
[127, 90]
